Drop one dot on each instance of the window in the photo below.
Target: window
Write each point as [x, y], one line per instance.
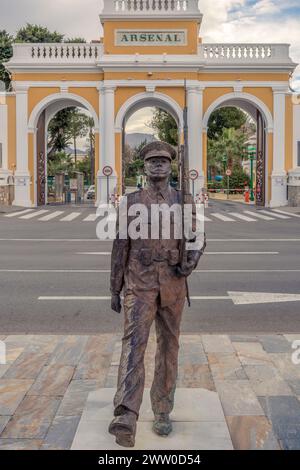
[298, 154]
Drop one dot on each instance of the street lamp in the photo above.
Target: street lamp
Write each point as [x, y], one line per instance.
[252, 157]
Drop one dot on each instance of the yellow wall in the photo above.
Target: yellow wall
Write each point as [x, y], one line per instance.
[123, 94]
[90, 94]
[36, 95]
[111, 26]
[243, 76]
[47, 77]
[264, 94]
[212, 94]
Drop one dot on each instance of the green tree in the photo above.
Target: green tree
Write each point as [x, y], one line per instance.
[75, 40]
[37, 34]
[91, 148]
[60, 161]
[165, 126]
[231, 143]
[238, 180]
[6, 52]
[77, 128]
[225, 118]
[59, 136]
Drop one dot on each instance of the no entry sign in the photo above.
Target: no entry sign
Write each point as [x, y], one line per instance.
[228, 172]
[107, 171]
[194, 175]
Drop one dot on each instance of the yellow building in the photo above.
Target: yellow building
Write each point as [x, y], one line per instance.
[148, 49]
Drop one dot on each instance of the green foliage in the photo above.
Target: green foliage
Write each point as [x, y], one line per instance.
[75, 40]
[6, 52]
[225, 118]
[60, 161]
[165, 126]
[238, 180]
[58, 131]
[231, 143]
[136, 165]
[35, 33]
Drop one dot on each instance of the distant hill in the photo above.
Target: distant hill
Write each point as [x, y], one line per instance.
[135, 139]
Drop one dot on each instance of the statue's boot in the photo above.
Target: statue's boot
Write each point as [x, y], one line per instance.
[162, 424]
[123, 427]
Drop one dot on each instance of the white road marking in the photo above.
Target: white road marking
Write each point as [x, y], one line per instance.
[242, 217]
[291, 214]
[18, 214]
[252, 298]
[203, 218]
[71, 217]
[242, 253]
[222, 217]
[56, 271]
[278, 216]
[91, 218]
[258, 215]
[35, 214]
[238, 298]
[107, 271]
[108, 253]
[51, 216]
[80, 240]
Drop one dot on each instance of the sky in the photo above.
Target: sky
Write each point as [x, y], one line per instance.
[223, 21]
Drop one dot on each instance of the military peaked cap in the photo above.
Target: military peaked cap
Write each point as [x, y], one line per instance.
[158, 149]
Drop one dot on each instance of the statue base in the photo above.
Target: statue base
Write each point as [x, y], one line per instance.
[198, 423]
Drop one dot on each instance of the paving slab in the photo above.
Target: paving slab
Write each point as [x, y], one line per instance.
[252, 433]
[238, 398]
[198, 421]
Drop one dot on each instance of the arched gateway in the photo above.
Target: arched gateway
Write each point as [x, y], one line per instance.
[149, 48]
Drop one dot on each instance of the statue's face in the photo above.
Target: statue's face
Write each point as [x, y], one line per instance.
[158, 168]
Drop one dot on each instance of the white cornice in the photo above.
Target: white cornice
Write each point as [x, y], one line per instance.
[281, 86]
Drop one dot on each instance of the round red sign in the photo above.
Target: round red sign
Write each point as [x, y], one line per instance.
[228, 172]
[194, 174]
[107, 171]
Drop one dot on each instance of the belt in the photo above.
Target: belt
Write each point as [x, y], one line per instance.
[147, 256]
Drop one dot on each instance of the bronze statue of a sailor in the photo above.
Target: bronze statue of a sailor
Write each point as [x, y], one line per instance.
[153, 279]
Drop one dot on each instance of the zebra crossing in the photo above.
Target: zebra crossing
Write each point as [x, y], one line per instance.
[65, 216]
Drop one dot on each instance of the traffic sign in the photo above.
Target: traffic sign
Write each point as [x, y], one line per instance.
[228, 172]
[193, 174]
[107, 171]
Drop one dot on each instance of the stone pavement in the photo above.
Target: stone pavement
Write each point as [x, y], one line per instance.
[47, 380]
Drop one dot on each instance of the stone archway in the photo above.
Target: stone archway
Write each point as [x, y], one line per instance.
[38, 123]
[264, 122]
[140, 101]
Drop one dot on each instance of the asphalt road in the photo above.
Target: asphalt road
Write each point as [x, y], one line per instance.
[42, 263]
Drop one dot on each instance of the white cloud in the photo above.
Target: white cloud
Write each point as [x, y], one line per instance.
[223, 21]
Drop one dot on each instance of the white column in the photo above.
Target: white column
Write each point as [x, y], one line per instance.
[107, 142]
[279, 176]
[294, 173]
[22, 176]
[4, 171]
[195, 126]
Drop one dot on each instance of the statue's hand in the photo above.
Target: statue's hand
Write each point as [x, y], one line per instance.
[186, 269]
[116, 305]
